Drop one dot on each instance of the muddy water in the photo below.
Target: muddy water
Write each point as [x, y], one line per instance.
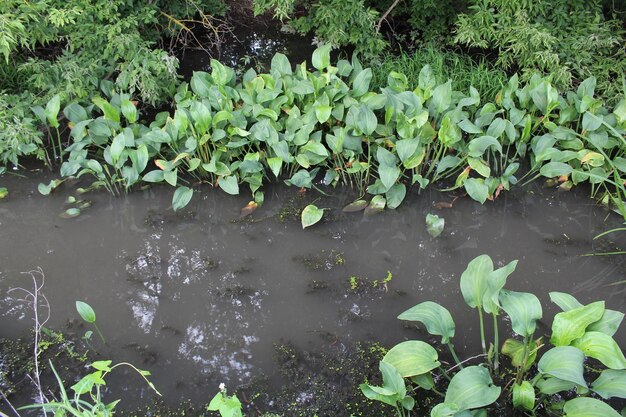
[200, 297]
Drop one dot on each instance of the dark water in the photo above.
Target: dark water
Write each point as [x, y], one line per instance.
[200, 297]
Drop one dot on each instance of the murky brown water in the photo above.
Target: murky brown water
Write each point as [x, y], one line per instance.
[200, 297]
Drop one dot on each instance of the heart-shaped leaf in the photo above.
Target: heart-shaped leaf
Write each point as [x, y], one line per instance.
[412, 357]
[472, 387]
[311, 215]
[524, 309]
[602, 347]
[436, 318]
[610, 383]
[563, 362]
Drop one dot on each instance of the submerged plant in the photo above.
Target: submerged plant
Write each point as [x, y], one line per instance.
[579, 333]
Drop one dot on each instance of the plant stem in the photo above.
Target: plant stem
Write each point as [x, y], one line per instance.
[482, 330]
[496, 343]
[453, 353]
[99, 333]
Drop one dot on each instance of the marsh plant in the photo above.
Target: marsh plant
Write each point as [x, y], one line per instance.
[563, 375]
[326, 126]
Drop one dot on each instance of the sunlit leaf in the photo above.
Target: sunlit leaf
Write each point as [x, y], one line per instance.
[602, 347]
[472, 387]
[610, 383]
[524, 395]
[436, 318]
[86, 312]
[311, 215]
[563, 362]
[570, 325]
[412, 357]
[588, 407]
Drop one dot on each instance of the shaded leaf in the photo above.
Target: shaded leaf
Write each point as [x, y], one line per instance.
[436, 318]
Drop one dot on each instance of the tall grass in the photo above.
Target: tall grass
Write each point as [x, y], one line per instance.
[461, 69]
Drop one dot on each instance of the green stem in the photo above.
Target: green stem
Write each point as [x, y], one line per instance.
[496, 343]
[453, 353]
[99, 333]
[482, 330]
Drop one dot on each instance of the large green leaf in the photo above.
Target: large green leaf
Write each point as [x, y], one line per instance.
[444, 410]
[412, 357]
[524, 309]
[550, 385]
[321, 57]
[588, 407]
[389, 174]
[52, 110]
[570, 325]
[395, 195]
[181, 197]
[477, 189]
[436, 318]
[311, 215]
[392, 379]
[610, 383]
[472, 387]
[602, 347]
[563, 362]
[229, 184]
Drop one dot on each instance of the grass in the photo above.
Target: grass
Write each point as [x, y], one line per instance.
[460, 68]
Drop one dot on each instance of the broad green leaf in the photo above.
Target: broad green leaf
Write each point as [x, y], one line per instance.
[86, 312]
[154, 176]
[361, 83]
[75, 113]
[182, 197]
[424, 381]
[555, 169]
[565, 301]
[588, 407]
[435, 317]
[395, 195]
[201, 83]
[102, 365]
[70, 213]
[117, 146]
[52, 111]
[3, 192]
[378, 394]
[477, 189]
[367, 121]
[321, 57]
[524, 309]
[478, 146]
[442, 97]
[311, 215]
[412, 358]
[229, 184]
[611, 383]
[474, 280]
[602, 347]
[322, 113]
[275, 165]
[524, 396]
[472, 387]
[563, 362]
[129, 110]
[87, 383]
[434, 224]
[570, 325]
[389, 174]
[281, 64]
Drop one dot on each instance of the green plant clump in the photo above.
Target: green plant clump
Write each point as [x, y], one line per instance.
[554, 381]
[306, 126]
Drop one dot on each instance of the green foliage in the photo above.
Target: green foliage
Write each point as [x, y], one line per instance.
[90, 387]
[227, 405]
[559, 369]
[568, 40]
[299, 124]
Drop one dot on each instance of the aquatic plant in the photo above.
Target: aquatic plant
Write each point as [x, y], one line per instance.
[91, 385]
[88, 315]
[327, 126]
[579, 333]
[227, 405]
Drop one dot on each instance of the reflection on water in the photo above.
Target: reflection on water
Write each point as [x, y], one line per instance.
[200, 297]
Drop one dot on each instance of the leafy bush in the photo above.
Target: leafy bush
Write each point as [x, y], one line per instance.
[552, 380]
[569, 40]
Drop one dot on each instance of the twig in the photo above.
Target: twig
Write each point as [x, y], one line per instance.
[35, 298]
[9, 404]
[384, 16]
[467, 360]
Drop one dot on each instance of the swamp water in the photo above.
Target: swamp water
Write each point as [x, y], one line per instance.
[202, 296]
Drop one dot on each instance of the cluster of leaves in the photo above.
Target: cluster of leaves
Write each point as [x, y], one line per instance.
[299, 124]
[570, 40]
[69, 48]
[579, 333]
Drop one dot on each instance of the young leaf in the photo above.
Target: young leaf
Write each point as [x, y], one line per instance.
[321, 57]
[524, 396]
[434, 224]
[182, 197]
[229, 184]
[86, 312]
[412, 358]
[435, 317]
[472, 387]
[311, 215]
[588, 407]
[570, 325]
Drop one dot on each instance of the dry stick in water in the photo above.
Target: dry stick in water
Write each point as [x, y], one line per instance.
[35, 298]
